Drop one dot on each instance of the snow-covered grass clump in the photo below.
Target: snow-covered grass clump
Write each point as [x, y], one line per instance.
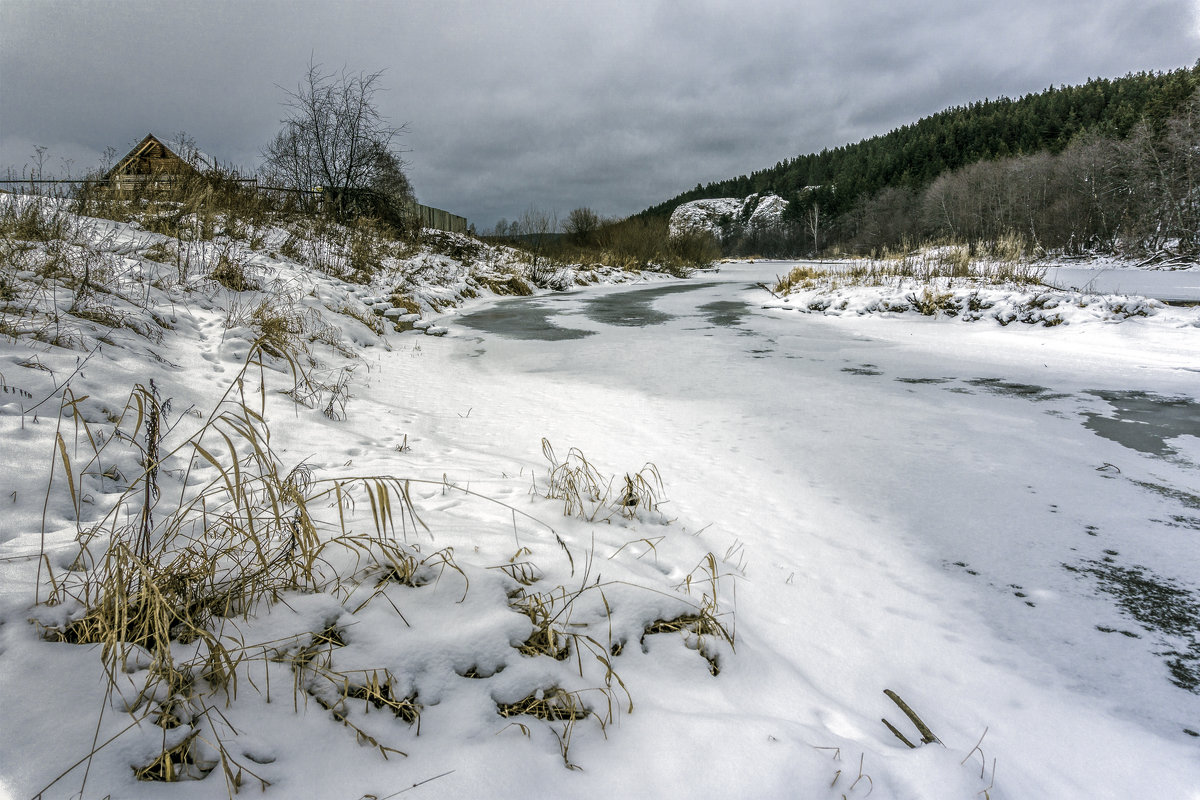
[974, 303]
[946, 282]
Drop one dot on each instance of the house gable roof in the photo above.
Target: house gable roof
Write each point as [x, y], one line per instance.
[150, 148]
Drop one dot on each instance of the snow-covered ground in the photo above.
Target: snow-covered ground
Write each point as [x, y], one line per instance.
[973, 515]
[995, 522]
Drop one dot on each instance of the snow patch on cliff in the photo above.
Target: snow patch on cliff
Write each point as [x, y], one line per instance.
[768, 211]
[728, 217]
[704, 215]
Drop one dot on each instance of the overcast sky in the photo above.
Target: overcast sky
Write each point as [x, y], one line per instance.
[612, 105]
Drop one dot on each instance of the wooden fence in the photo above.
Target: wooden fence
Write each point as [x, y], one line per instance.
[441, 220]
[431, 217]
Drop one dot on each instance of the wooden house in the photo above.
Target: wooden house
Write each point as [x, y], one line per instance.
[151, 164]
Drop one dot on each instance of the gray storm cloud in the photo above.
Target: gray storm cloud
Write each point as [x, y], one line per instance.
[616, 106]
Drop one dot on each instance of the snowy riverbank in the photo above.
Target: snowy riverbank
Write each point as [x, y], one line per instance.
[861, 502]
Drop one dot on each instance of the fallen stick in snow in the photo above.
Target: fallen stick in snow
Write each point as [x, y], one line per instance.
[927, 736]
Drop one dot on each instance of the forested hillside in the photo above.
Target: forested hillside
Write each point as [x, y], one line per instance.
[875, 192]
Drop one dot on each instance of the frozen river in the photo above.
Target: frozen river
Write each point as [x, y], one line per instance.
[1002, 521]
[1177, 286]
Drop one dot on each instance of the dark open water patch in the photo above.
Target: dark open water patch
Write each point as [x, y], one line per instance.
[635, 309]
[1143, 421]
[863, 369]
[1161, 606]
[924, 380]
[1188, 499]
[530, 318]
[521, 319]
[725, 313]
[1027, 390]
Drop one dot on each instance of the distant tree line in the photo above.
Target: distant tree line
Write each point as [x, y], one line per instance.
[1139, 194]
[1111, 164]
[585, 237]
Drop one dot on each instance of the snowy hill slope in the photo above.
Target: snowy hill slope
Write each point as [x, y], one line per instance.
[199, 477]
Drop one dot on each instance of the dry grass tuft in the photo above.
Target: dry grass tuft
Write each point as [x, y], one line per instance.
[548, 704]
[234, 273]
[545, 611]
[37, 219]
[373, 322]
[176, 763]
[333, 690]
[511, 284]
[587, 493]
[939, 265]
[380, 694]
[179, 572]
[524, 573]
[701, 624]
[574, 481]
[553, 705]
[704, 620]
[931, 302]
[402, 300]
[802, 277]
[642, 490]
[283, 326]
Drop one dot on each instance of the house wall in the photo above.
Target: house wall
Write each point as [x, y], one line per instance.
[153, 167]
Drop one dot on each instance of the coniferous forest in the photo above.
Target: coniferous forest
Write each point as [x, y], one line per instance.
[1112, 165]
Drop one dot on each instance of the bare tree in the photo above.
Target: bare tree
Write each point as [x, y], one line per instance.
[39, 158]
[581, 225]
[1166, 178]
[890, 218]
[812, 220]
[538, 228]
[184, 146]
[334, 139]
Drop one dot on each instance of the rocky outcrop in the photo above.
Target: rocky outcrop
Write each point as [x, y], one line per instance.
[729, 218]
[700, 216]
